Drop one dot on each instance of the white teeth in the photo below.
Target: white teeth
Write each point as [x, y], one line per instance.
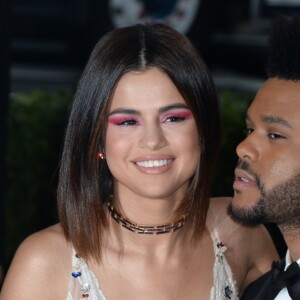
[244, 179]
[154, 163]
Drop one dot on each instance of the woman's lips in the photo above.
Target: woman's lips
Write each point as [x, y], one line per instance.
[153, 165]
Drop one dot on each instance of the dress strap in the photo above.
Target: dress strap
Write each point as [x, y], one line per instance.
[83, 284]
[224, 287]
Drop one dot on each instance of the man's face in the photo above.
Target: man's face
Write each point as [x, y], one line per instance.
[267, 178]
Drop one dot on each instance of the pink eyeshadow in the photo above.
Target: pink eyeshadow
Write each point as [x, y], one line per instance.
[183, 114]
[115, 120]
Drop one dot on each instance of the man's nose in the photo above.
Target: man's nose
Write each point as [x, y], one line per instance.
[248, 149]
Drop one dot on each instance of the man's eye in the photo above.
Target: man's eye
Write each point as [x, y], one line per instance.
[249, 130]
[274, 136]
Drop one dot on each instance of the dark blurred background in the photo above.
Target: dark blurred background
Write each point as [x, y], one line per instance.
[44, 47]
[53, 38]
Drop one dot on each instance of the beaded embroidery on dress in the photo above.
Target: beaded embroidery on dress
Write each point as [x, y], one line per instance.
[224, 287]
[84, 285]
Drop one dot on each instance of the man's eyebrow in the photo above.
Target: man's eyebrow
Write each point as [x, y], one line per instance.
[272, 120]
[247, 117]
[276, 120]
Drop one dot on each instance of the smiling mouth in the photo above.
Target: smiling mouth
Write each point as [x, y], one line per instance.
[154, 163]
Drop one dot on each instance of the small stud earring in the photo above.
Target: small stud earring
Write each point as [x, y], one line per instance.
[101, 155]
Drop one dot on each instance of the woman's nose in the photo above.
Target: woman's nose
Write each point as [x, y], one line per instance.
[152, 137]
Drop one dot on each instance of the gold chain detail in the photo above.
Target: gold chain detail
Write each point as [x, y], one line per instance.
[145, 229]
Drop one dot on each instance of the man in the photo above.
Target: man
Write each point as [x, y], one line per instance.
[267, 178]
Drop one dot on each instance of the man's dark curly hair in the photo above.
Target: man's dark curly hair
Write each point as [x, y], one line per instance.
[284, 49]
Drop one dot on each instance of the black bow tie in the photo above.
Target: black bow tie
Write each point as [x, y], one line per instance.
[289, 279]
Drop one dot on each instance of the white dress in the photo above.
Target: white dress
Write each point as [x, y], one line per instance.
[84, 284]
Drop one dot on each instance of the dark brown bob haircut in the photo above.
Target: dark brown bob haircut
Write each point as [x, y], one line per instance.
[284, 49]
[85, 182]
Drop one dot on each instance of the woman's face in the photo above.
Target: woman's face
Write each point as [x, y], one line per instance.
[152, 144]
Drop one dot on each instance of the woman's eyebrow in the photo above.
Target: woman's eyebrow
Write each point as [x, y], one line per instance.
[130, 111]
[126, 111]
[173, 106]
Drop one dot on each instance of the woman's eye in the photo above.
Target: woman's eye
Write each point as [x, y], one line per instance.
[174, 119]
[123, 121]
[129, 122]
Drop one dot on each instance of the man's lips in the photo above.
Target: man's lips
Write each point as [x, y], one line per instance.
[243, 179]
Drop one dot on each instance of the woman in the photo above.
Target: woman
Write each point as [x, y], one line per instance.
[141, 142]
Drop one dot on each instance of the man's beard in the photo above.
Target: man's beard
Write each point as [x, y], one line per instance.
[280, 205]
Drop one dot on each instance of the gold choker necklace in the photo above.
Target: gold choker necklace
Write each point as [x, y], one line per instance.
[145, 229]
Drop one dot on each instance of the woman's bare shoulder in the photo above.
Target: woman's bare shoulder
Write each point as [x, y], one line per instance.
[250, 246]
[44, 245]
[43, 259]
[219, 204]
[235, 231]
[225, 224]
[218, 213]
